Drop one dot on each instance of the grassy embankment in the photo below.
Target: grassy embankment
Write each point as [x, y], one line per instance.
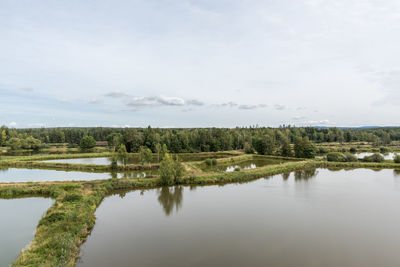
[358, 146]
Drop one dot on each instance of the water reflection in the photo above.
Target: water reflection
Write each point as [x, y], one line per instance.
[301, 175]
[170, 197]
[305, 175]
[285, 176]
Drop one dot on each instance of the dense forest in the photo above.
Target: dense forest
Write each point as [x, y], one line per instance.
[263, 140]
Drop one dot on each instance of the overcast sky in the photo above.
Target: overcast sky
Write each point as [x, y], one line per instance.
[184, 63]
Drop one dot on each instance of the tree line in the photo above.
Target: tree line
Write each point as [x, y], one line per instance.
[252, 139]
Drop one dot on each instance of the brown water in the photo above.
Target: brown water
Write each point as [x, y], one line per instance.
[313, 218]
[19, 218]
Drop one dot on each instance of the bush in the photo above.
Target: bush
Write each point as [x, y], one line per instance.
[376, 157]
[396, 159]
[336, 156]
[303, 148]
[14, 143]
[353, 150]
[170, 170]
[248, 149]
[350, 157]
[114, 163]
[384, 150]
[322, 150]
[211, 162]
[88, 142]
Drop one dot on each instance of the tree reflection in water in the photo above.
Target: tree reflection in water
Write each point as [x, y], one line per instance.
[305, 175]
[170, 197]
[285, 176]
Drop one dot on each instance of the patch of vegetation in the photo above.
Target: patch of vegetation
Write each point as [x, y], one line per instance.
[87, 142]
[336, 157]
[376, 157]
[211, 162]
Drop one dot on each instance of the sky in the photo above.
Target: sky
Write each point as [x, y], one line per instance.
[203, 63]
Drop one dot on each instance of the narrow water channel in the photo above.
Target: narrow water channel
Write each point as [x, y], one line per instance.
[19, 219]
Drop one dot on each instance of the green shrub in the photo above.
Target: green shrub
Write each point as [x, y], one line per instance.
[114, 163]
[248, 149]
[396, 159]
[210, 162]
[336, 156]
[322, 150]
[350, 157]
[384, 150]
[87, 142]
[353, 150]
[376, 157]
[170, 170]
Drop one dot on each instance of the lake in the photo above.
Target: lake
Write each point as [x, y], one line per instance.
[8, 175]
[321, 217]
[19, 220]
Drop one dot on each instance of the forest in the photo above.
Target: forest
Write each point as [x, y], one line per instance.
[191, 140]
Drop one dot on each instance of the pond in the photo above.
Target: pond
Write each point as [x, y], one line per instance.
[388, 156]
[8, 175]
[96, 161]
[133, 159]
[308, 218]
[19, 220]
[241, 165]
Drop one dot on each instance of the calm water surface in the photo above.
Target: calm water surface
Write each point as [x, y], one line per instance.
[97, 161]
[386, 156]
[17, 225]
[243, 165]
[8, 175]
[130, 160]
[310, 218]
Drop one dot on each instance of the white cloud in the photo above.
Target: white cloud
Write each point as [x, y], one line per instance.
[195, 102]
[155, 101]
[280, 107]
[95, 101]
[247, 107]
[116, 94]
[12, 124]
